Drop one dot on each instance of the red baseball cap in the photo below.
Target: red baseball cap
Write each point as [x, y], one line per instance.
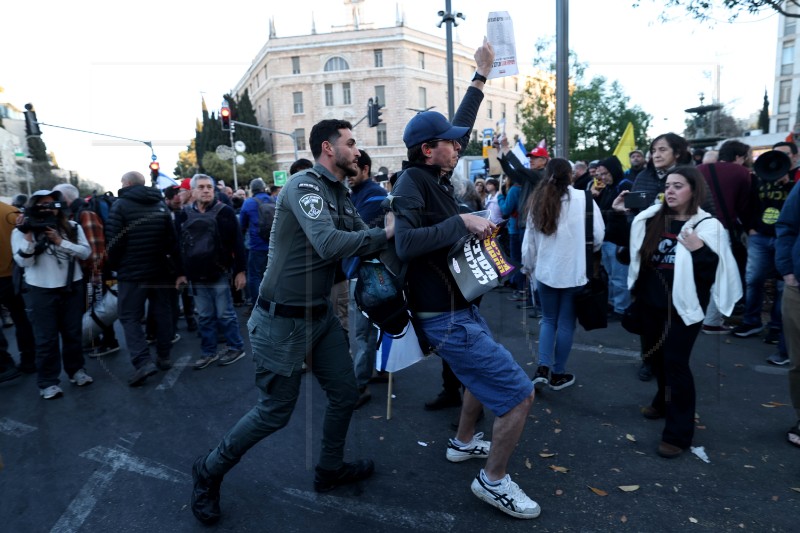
[539, 152]
[186, 183]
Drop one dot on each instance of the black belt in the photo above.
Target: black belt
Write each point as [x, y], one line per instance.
[291, 311]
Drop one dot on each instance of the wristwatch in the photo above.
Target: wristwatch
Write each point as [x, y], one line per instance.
[479, 77]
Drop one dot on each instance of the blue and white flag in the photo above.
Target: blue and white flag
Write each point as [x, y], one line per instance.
[165, 181]
[521, 153]
[398, 353]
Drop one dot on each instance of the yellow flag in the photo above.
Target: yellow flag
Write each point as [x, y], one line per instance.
[626, 145]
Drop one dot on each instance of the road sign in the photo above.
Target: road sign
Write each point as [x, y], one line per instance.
[279, 177]
[240, 159]
[225, 152]
[239, 146]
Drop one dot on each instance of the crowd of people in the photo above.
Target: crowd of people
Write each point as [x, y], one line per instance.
[683, 242]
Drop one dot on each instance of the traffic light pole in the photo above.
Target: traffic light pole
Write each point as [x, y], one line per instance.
[294, 139]
[149, 144]
[233, 159]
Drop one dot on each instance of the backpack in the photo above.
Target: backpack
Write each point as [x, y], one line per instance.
[201, 246]
[100, 204]
[379, 296]
[266, 215]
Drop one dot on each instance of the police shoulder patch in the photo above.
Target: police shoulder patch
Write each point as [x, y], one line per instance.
[311, 204]
[306, 185]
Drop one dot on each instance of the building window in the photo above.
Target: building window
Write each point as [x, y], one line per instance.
[787, 58]
[300, 135]
[489, 109]
[328, 94]
[346, 99]
[789, 26]
[266, 73]
[297, 99]
[782, 125]
[516, 114]
[378, 58]
[502, 110]
[336, 63]
[421, 60]
[380, 94]
[784, 96]
[382, 135]
[423, 99]
[295, 64]
[516, 84]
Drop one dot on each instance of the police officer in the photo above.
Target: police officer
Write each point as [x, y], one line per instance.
[315, 226]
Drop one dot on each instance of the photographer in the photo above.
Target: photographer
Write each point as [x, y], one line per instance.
[47, 245]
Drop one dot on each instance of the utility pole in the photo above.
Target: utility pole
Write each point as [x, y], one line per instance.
[233, 159]
[449, 18]
[562, 79]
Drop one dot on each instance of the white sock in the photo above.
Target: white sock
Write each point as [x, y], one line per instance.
[486, 479]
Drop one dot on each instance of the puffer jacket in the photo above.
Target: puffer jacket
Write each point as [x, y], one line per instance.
[140, 237]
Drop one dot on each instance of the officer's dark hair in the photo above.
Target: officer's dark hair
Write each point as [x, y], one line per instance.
[300, 164]
[364, 160]
[792, 146]
[326, 130]
[730, 150]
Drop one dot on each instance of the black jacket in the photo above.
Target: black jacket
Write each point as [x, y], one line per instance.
[140, 237]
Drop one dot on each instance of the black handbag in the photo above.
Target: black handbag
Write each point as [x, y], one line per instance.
[591, 300]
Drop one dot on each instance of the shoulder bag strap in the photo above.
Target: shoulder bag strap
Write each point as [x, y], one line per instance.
[713, 171]
[588, 237]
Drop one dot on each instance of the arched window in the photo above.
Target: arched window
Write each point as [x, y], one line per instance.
[336, 63]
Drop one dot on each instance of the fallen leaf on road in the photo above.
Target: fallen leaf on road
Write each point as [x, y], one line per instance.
[557, 430]
[749, 466]
[422, 443]
[738, 365]
[777, 404]
[559, 492]
[623, 519]
[775, 498]
[615, 470]
[559, 469]
[692, 520]
[709, 365]
[630, 437]
[606, 424]
[548, 411]
[640, 453]
[528, 462]
[628, 488]
[767, 405]
[376, 417]
[796, 489]
[546, 455]
[699, 427]
[598, 491]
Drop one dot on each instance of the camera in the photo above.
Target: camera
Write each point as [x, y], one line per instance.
[39, 217]
[637, 200]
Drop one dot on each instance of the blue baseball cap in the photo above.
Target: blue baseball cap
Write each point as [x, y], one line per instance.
[430, 125]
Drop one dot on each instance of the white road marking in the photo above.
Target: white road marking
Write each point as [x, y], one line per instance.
[390, 515]
[120, 459]
[14, 428]
[174, 373]
[605, 349]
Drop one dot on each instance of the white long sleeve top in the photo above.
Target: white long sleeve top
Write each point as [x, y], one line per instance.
[49, 269]
[559, 260]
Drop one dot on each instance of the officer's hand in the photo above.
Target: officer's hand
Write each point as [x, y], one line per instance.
[240, 281]
[484, 57]
[482, 227]
[388, 224]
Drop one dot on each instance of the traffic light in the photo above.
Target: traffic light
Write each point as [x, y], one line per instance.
[154, 166]
[31, 123]
[225, 116]
[373, 112]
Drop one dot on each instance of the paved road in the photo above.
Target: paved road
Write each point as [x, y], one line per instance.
[111, 458]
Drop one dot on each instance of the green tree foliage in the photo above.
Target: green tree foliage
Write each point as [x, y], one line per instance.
[598, 110]
[763, 116]
[256, 165]
[718, 124]
[705, 9]
[244, 112]
[473, 148]
[37, 149]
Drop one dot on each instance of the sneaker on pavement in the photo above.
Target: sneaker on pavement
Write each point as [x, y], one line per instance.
[230, 357]
[141, 374]
[81, 378]
[10, 373]
[205, 494]
[773, 336]
[205, 361]
[476, 449]
[364, 396]
[506, 496]
[561, 381]
[778, 359]
[51, 393]
[747, 330]
[327, 480]
[542, 376]
[716, 330]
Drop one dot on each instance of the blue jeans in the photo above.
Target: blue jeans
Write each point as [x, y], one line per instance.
[366, 340]
[215, 306]
[558, 326]
[256, 265]
[618, 292]
[760, 266]
[280, 346]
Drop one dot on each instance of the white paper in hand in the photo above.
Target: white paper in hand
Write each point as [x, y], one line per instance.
[500, 32]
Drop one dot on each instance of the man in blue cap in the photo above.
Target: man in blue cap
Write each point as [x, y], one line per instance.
[427, 224]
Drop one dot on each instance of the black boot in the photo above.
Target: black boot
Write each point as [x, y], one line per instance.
[205, 494]
[326, 480]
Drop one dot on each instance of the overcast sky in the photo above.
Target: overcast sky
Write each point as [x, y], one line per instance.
[139, 69]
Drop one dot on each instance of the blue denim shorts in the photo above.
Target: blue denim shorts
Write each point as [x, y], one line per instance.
[483, 365]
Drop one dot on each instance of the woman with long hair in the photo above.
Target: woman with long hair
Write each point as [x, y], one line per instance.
[678, 252]
[47, 245]
[554, 253]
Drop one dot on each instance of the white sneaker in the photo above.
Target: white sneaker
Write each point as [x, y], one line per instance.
[81, 378]
[52, 392]
[476, 449]
[507, 496]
